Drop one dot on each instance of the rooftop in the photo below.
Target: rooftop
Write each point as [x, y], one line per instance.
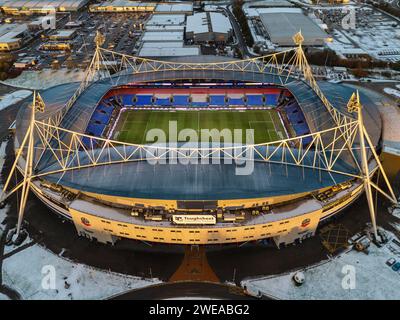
[174, 7]
[11, 32]
[162, 36]
[282, 23]
[203, 22]
[168, 19]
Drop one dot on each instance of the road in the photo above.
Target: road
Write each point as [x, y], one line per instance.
[239, 36]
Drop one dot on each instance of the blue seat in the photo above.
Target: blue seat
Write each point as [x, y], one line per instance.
[143, 100]
[162, 102]
[86, 142]
[181, 100]
[236, 102]
[95, 129]
[217, 100]
[199, 103]
[105, 109]
[271, 99]
[101, 117]
[128, 99]
[307, 141]
[255, 100]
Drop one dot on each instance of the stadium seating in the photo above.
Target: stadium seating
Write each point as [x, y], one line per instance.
[180, 100]
[271, 99]
[103, 118]
[128, 99]
[199, 103]
[105, 109]
[255, 100]
[217, 100]
[95, 129]
[144, 100]
[297, 120]
[162, 102]
[236, 102]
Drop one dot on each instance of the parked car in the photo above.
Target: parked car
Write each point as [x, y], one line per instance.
[391, 262]
[396, 266]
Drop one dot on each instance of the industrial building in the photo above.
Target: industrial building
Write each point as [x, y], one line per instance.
[167, 49]
[13, 36]
[138, 6]
[28, 7]
[282, 23]
[60, 35]
[208, 27]
[164, 37]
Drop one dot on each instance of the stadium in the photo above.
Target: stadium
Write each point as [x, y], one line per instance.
[301, 150]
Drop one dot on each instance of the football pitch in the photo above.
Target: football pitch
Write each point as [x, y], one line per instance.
[134, 125]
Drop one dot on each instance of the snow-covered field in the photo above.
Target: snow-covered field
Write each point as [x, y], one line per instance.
[45, 78]
[12, 98]
[373, 279]
[29, 272]
[3, 297]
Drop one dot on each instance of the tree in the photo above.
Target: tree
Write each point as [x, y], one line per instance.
[242, 20]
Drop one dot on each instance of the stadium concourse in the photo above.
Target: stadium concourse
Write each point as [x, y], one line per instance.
[88, 162]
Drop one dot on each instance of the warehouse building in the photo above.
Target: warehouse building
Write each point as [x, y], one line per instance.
[123, 6]
[13, 36]
[171, 8]
[208, 27]
[28, 7]
[138, 6]
[164, 37]
[282, 23]
[167, 50]
[66, 34]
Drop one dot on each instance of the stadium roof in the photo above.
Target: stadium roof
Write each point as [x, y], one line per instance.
[282, 23]
[196, 182]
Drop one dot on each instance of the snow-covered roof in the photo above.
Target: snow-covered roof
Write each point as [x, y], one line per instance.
[174, 7]
[64, 33]
[38, 4]
[219, 22]
[167, 19]
[203, 22]
[197, 23]
[10, 32]
[162, 36]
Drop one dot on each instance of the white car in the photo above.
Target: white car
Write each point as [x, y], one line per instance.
[391, 262]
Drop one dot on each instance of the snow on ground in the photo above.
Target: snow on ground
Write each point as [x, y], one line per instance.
[13, 97]
[392, 92]
[45, 78]
[3, 297]
[398, 86]
[373, 279]
[25, 271]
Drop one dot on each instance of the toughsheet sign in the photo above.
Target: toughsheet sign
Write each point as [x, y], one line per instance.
[193, 219]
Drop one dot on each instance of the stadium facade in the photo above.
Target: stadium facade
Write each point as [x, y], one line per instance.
[69, 155]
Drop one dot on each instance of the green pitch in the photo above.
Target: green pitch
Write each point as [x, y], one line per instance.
[134, 125]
